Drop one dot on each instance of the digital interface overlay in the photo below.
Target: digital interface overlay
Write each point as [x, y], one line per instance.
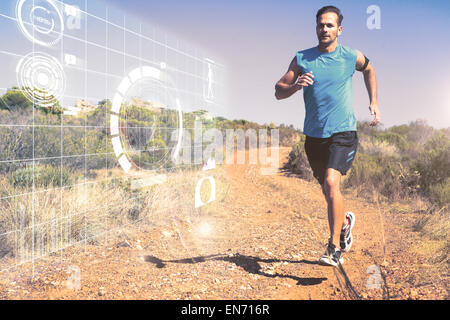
[107, 103]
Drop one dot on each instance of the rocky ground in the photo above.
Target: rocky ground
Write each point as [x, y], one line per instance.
[262, 241]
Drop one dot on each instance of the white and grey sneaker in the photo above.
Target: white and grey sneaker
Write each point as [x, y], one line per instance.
[346, 238]
[332, 256]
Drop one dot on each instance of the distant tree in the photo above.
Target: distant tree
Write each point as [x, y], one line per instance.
[200, 112]
[105, 102]
[14, 98]
[220, 119]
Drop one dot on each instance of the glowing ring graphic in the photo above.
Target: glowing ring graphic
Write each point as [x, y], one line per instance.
[41, 78]
[20, 18]
[133, 77]
[37, 28]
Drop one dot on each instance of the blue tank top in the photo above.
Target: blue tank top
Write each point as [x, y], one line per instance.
[329, 101]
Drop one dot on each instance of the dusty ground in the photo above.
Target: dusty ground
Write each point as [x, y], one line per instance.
[266, 236]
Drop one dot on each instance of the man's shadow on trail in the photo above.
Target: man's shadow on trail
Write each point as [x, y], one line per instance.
[248, 263]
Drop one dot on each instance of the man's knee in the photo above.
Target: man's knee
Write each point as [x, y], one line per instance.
[331, 186]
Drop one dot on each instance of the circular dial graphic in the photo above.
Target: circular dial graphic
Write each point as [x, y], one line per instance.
[41, 79]
[146, 120]
[40, 21]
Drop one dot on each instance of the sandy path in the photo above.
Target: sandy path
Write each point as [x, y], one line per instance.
[266, 236]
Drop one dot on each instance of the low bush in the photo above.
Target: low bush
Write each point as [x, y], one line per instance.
[298, 162]
[41, 175]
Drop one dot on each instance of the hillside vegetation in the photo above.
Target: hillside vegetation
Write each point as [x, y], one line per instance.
[50, 161]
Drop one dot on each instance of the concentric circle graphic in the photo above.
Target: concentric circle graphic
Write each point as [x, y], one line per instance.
[146, 121]
[41, 78]
[40, 21]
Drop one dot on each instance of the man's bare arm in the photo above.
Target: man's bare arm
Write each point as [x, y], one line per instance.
[290, 83]
[371, 85]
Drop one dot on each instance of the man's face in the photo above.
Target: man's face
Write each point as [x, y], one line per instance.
[327, 28]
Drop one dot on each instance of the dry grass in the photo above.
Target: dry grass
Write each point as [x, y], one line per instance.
[374, 147]
[435, 237]
[47, 221]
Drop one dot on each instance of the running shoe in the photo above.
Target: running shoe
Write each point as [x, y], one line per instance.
[332, 256]
[346, 238]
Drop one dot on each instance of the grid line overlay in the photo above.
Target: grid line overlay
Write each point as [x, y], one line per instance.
[86, 83]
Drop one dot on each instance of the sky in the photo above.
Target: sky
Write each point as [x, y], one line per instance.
[256, 40]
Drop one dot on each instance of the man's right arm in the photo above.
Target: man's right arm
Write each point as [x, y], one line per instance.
[290, 83]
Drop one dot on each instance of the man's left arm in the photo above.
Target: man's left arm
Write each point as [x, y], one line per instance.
[363, 65]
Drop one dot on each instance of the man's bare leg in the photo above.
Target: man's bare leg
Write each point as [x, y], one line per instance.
[335, 200]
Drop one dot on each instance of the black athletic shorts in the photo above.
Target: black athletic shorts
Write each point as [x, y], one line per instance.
[337, 152]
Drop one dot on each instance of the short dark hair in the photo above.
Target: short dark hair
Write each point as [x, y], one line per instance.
[330, 9]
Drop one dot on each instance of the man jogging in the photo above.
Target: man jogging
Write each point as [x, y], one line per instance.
[325, 74]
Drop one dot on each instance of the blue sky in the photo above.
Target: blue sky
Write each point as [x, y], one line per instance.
[256, 40]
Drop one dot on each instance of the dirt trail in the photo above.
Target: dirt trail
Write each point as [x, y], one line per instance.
[266, 236]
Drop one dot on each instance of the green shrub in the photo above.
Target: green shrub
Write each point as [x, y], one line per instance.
[15, 99]
[44, 176]
[440, 193]
[434, 164]
[298, 161]
[383, 174]
[394, 139]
